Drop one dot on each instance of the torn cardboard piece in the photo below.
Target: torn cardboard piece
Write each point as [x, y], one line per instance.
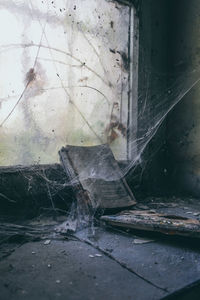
[92, 167]
[157, 222]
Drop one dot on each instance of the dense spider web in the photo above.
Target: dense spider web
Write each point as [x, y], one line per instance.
[65, 96]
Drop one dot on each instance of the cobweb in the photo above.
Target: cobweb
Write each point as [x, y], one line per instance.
[66, 80]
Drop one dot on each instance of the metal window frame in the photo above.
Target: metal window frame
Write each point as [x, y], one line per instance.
[132, 122]
[133, 81]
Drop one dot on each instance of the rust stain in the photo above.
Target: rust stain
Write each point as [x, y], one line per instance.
[112, 136]
[30, 76]
[83, 79]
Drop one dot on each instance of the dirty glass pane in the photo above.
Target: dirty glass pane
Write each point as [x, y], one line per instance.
[64, 78]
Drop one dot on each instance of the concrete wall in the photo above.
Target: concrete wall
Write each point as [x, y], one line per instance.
[153, 64]
[184, 122]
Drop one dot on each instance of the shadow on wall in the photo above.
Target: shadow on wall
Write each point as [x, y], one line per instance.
[183, 126]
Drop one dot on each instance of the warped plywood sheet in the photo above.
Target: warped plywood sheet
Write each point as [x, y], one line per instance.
[96, 177]
[152, 221]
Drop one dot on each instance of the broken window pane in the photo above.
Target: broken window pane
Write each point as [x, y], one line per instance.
[64, 78]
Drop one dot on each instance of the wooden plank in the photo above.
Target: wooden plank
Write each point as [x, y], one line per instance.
[99, 180]
[151, 221]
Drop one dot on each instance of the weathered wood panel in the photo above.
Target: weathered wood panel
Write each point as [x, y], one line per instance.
[152, 221]
[96, 176]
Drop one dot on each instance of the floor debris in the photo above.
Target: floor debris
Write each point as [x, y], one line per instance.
[95, 255]
[68, 226]
[142, 241]
[58, 281]
[142, 206]
[196, 214]
[47, 242]
[153, 221]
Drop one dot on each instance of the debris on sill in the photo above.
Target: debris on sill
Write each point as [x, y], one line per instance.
[147, 220]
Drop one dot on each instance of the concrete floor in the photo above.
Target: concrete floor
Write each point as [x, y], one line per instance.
[112, 265]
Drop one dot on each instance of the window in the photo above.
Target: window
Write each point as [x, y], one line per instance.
[68, 76]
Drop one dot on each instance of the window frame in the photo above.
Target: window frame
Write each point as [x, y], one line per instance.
[132, 121]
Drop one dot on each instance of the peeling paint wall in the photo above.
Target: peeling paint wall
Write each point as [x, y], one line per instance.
[64, 78]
